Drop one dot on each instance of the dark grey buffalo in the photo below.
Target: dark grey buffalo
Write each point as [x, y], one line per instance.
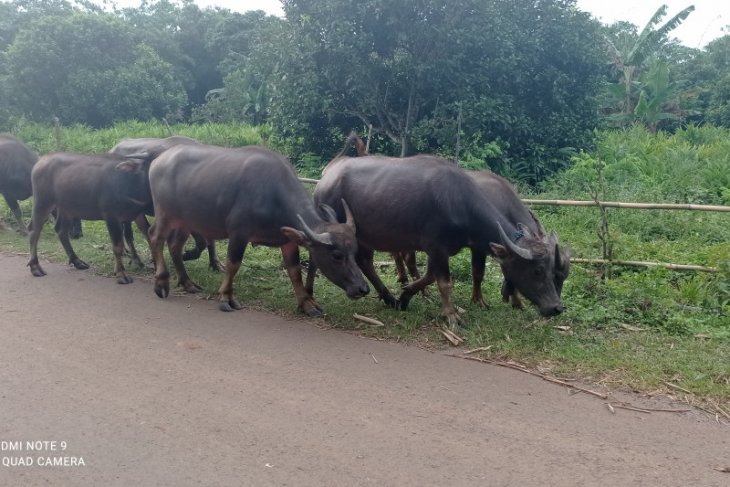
[507, 202]
[16, 163]
[247, 195]
[90, 187]
[153, 148]
[426, 203]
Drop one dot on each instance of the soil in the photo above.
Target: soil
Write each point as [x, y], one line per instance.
[174, 392]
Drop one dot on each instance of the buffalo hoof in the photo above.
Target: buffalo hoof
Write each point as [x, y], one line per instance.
[124, 279]
[37, 271]
[23, 232]
[403, 301]
[79, 264]
[191, 287]
[162, 289]
[391, 302]
[453, 320]
[312, 310]
[480, 302]
[217, 266]
[230, 305]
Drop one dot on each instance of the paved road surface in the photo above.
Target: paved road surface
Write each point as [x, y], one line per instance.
[175, 393]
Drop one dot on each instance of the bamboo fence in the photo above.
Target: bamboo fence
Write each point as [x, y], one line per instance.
[620, 204]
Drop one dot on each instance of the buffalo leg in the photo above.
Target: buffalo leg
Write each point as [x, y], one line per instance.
[129, 239]
[364, 259]
[311, 274]
[176, 242]
[413, 288]
[41, 210]
[213, 262]
[410, 260]
[478, 260]
[63, 226]
[509, 294]
[400, 268]
[236, 249]
[158, 236]
[290, 254]
[15, 208]
[438, 269]
[116, 233]
[75, 230]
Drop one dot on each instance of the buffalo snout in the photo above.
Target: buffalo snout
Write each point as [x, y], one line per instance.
[552, 310]
[358, 291]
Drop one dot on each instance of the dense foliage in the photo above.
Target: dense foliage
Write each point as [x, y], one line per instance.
[515, 86]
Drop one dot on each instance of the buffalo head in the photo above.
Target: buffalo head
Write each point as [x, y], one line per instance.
[537, 268]
[332, 247]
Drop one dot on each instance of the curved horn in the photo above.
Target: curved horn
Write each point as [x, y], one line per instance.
[349, 219]
[513, 247]
[323, 238]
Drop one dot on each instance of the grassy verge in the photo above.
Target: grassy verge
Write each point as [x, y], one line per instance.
[639, 330]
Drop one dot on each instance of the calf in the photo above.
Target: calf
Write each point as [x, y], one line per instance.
[90, 187]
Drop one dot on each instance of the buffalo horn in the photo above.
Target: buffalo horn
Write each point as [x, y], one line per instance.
[349, 219]
[553, 242]
[513, 247]
[323, 238]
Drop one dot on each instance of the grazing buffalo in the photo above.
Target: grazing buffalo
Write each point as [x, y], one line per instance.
[505, 200]
[90, 187]
[247, 195]
[426, 203]
[155, 147]
[16, 163]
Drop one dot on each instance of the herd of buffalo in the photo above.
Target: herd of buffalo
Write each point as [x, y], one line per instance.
[253, 195]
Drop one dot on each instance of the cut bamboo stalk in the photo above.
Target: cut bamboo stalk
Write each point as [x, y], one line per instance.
[636, 263]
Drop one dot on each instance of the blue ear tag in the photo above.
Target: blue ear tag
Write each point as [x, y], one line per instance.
[519, 234]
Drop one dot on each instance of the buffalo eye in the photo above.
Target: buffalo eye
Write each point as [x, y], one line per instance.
[539, 271]
[337, 255]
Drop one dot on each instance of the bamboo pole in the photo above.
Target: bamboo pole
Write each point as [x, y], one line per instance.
[619, 204]
[637, 263]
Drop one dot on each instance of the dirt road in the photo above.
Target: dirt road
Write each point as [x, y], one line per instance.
[147, 392]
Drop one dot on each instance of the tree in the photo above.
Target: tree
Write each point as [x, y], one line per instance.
[88, 68]
[523, 74]
[707, 77]
[630, 55]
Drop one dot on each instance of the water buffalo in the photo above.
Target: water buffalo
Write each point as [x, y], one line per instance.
[16, 163]
[91, 187]
[506, 201]
[248, 195]
[426, 203]
[154, 147]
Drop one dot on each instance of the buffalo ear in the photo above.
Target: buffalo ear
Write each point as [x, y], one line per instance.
[499, 251]
[296, 236]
